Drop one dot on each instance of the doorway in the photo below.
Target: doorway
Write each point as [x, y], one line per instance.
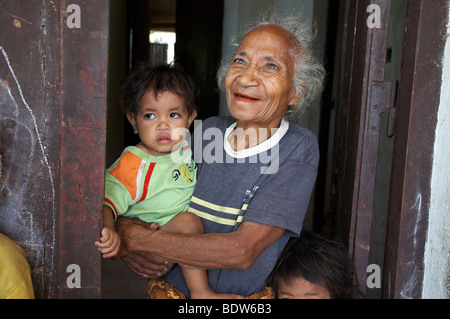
[48, 170]
[157, 31]
[198, 49]
[370, 73]
[359, 197]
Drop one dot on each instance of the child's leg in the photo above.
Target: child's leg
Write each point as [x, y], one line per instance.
[196, 278]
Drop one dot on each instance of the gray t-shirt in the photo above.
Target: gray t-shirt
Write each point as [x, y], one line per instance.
[270, 184]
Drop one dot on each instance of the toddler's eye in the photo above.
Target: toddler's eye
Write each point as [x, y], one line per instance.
[150, 116]
[174, 115]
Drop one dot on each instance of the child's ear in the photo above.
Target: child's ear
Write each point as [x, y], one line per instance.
[132, 119]
[192, 117]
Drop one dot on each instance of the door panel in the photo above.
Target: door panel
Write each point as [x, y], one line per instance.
[52, 135]
[391, 233]
[415, 130]
[364, 96]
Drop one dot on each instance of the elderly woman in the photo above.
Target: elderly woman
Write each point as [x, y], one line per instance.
[249, 209]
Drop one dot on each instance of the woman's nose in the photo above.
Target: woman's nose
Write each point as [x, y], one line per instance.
[248, 77]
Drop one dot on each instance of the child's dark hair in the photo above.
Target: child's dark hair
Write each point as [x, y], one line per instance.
[158, 79]
[320, 261]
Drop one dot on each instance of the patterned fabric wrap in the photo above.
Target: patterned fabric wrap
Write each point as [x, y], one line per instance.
[157, 288]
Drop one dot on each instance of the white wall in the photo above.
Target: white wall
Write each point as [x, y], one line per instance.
[436, 282]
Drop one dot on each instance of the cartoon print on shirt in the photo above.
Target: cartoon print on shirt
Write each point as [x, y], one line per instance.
[185, 171]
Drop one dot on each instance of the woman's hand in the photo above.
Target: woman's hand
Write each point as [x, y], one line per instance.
[146, 265]
[141, 263]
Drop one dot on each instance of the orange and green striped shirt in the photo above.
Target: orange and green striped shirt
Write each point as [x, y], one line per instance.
[151, 188]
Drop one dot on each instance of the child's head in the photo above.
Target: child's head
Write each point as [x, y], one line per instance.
[160, 104]
[312, 266]
[158, 79]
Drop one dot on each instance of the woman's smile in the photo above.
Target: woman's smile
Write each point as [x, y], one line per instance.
[245, 98]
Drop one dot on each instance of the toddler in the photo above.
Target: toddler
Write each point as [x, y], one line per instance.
[155, 179]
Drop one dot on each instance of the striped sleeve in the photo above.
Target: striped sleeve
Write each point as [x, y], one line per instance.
[217, 214]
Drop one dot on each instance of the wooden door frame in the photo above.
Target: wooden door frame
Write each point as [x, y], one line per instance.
[418, 104]
[363, 97]
[57, 75]
[83, 103]
[362, 94]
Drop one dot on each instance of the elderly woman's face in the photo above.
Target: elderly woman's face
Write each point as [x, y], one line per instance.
[259, 82]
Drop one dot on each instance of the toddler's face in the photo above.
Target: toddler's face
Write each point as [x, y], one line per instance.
[300, 288]
[161, 123]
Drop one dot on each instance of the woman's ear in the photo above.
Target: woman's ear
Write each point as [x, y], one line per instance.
[295, 98]
[132, 119]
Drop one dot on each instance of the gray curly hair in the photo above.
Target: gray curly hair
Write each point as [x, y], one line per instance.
[309, 72]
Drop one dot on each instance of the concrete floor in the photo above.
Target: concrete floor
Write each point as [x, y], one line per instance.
[118, 282]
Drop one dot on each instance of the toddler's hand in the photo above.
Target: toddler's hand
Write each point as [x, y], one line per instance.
[109, 243]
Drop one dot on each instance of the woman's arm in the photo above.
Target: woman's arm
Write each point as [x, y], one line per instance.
[236, 250]
[141, 263]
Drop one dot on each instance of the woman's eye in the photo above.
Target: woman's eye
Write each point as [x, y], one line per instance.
[273, 66]
[238, 61]
[150, 116]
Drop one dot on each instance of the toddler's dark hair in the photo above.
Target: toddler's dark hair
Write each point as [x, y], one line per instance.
[320, 261]
[158, 79]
